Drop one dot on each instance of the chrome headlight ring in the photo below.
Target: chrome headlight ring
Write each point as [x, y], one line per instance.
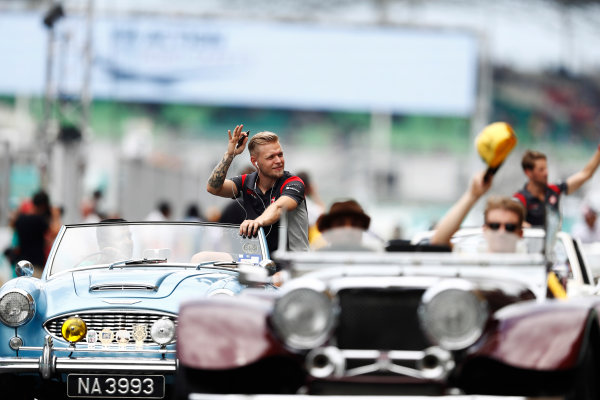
[304, 318]
[17, 307]
[453, 314]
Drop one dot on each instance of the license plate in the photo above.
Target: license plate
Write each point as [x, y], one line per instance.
[119, 386]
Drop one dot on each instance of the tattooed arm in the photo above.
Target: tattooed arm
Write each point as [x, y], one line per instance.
[217, 184]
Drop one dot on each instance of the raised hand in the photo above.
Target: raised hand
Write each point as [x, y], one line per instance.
[233, 148]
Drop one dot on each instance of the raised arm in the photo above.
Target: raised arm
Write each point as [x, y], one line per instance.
[271, 215]
[217, 184]
[451, 222]
[575, 181]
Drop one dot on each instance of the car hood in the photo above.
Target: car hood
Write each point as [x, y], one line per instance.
[146, 283]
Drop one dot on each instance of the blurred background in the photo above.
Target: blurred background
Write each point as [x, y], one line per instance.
[378, 100]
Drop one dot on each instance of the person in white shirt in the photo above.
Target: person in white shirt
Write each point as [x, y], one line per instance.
[161, 213]
[588, 231]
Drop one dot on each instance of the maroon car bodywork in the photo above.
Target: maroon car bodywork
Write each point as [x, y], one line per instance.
[537, 349]
[544, 337]
[231, 333]
[525, 343]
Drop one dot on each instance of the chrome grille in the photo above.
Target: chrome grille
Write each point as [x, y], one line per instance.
[115, 320]
[380, 318]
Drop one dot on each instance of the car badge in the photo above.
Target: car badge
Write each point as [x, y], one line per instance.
[140, 332]
[91, 338]
[122, 337]
[106, 336]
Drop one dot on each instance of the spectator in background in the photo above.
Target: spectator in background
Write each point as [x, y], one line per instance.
[35, 232]
[192, 214]
[233, 213]
[90, 208]
[314, 205]
[537, 194]
[588, 230]
[213, 214]
[161, 213]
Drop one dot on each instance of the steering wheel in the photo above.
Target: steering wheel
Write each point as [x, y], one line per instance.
[104, 256]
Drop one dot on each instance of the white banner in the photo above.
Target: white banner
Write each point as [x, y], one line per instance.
[255, 64]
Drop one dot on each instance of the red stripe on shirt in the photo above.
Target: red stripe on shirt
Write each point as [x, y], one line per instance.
[554, 188]
[521, 198]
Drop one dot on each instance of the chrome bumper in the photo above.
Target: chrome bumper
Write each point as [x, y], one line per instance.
[48, 364]
[204, 396]
[433, 363]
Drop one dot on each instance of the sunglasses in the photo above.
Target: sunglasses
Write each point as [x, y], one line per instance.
[507, 227]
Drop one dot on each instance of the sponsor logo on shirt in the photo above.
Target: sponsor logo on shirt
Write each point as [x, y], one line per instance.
[291, 187]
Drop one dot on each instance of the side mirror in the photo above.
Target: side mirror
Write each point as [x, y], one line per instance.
[24, 268]
[269, 265]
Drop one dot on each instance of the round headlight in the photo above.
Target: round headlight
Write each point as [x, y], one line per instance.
[16, 308]
[452, 315]
[163, 331]
[303, 318]
[74, 329]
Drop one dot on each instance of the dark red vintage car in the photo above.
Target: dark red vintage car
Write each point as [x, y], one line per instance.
[393, 324]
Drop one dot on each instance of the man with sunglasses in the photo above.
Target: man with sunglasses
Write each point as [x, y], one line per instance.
[503, 218]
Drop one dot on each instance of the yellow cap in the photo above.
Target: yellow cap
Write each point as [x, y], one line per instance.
[495, 142]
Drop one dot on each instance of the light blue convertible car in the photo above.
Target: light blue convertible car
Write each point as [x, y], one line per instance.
[100, 323]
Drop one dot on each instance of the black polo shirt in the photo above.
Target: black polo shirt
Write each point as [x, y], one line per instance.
[536, 209]
[255, 203]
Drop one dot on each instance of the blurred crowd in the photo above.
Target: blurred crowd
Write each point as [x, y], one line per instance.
[556, 106]
[345, 224]
[35, 225]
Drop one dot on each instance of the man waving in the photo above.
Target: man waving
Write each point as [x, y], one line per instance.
[266, 193]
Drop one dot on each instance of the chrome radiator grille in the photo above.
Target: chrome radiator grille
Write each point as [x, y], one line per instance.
[380, 318]
[114, 320]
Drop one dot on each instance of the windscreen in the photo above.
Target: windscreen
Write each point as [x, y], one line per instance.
[103, 244]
